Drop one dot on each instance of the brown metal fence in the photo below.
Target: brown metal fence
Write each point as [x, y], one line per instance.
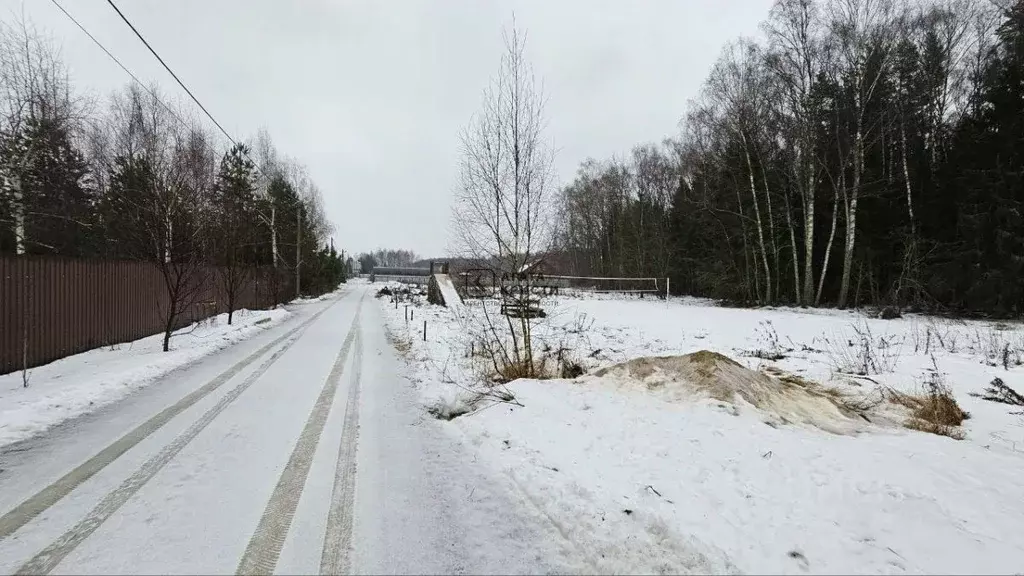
[55, 307]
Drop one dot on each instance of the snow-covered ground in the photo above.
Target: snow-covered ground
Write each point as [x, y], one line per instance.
[637, 483]
[298, 451]
[77, 384]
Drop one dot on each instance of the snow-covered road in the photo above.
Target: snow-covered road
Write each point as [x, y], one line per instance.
[300, 450]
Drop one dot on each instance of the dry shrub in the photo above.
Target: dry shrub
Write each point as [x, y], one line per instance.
[941, 409]
[953, 432]
[935, 411]
[552, 364]
[509, 371]
[565, 362]
[863, 353]
[770, 345]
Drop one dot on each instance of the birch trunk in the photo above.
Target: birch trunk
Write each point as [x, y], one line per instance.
[831, 238]
[851, 219]
[906, 180]
[757, 220]
[792, 245]
[808, 198]
[19, 216]
[771, 229]
[746, 244]
[273, 234]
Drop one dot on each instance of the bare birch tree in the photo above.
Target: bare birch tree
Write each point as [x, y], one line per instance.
[794, 30]
[501, 212]
[866, 35]
[736, 84]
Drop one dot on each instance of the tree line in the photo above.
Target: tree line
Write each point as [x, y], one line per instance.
[388, 258]
[865, 152]
[138, 178]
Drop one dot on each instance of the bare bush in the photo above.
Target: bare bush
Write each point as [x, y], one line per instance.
[581, 324]
[998, 347]
[488, 347]
[539, 369]
[863, 353]
[564, 360]
[936, 335]
[770, 346]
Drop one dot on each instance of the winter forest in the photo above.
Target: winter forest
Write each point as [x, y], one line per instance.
[866, 152]
[133, 176]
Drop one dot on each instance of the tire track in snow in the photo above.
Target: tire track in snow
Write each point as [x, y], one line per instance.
[260, 556]
[47, 560]
[35, 505]
[338, 538]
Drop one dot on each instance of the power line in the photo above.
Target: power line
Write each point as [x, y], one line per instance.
[298, 202]
[148, 89]
[185, 88]
[118, 62]
[168, 68]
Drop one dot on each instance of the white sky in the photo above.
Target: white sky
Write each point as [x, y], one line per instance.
[371, 95]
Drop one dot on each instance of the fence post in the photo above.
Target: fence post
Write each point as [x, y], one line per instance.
[424, 330]
[668, 284]
[406, 313]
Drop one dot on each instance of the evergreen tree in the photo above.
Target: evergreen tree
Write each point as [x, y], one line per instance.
[56, 204]
[233, 237]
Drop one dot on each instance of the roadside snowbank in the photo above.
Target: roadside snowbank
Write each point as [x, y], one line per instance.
[638, 484]
[84, 382]
[320, 298]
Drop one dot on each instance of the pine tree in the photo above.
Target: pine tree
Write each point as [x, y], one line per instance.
[233, 238]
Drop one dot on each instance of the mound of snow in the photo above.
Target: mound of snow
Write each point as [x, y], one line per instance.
[707, 375]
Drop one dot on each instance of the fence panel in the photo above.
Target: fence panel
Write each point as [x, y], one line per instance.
[54, 307]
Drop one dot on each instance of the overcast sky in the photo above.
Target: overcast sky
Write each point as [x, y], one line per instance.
[371, 95]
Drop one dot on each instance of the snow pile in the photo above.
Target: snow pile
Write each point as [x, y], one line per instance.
[710, 375]
[323, 297]
[72, 386]
[662, 465]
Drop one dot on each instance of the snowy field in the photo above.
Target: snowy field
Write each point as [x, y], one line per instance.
[72, 386]
[640, 477]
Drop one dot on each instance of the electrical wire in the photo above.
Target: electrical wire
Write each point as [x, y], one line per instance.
[118, 62]
[173, 75]
[147, 88]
